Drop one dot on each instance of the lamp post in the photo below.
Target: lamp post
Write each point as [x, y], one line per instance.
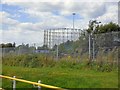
[73, 26]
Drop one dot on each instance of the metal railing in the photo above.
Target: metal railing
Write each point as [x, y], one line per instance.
[39, 84]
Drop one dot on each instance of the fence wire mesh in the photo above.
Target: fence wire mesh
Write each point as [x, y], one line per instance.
[101, 47]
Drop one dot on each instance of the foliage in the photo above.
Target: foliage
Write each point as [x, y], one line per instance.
[107, 62]
[103, 28]
[8, 45]
[28, 60]
[44, 47]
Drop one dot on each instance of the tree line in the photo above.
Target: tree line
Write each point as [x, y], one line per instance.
[102, 28]
[7, 45]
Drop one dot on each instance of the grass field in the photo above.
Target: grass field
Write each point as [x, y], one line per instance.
[62, 77]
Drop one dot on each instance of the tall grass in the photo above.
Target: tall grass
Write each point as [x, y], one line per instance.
[103, 62]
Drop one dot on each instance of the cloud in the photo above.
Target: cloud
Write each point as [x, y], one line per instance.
[46, 12]
[110, 15]
[19, 32]
[6, 20]
[85, 9]
[20, 37]
[51, 15]
[14, 1]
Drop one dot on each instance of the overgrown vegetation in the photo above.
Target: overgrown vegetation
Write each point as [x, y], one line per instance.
[107, 62]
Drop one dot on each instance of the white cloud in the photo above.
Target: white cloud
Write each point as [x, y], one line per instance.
[12, 1]
[44, 11]
[6, 20]
[53, 14]
[19, 36]
[85, 9]
[19, 32]
[110, 15]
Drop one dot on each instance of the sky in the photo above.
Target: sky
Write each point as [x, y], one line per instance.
[24, 21]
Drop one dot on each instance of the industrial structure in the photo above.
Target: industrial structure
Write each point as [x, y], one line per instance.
[57, 36]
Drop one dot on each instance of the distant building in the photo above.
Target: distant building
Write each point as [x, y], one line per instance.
[42, 51]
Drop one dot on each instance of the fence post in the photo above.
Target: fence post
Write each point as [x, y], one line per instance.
[89, 46]
[39, 87]
[14, 83]
[93, 48]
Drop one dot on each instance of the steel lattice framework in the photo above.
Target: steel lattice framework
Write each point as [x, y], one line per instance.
[57, 36]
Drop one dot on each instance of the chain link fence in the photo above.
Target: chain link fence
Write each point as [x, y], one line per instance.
[97, 47]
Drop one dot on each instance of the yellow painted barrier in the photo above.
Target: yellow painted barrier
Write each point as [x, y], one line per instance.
[34, 83]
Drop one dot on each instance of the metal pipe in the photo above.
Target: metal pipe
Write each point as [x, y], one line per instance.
[30, 82]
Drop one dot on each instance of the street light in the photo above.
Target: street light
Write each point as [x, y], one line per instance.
[73, 25]
[73, 20]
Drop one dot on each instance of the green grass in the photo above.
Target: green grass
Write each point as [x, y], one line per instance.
[61, 77]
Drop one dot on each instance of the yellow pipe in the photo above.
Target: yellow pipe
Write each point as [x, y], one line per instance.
[38, 84]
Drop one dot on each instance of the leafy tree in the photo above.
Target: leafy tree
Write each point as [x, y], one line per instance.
[108, 28]
[93, 24]
[8, 45]
[103, 28]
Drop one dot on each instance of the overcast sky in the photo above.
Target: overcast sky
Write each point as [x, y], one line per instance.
[23, 22]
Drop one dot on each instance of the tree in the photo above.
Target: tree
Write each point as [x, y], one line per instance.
[8, 45]
[93, 24]
[103, 28]
[108, 28]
